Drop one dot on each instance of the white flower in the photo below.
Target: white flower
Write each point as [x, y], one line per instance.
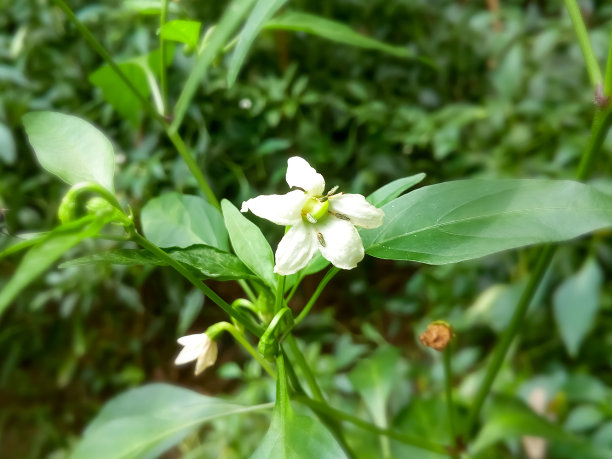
[318, 222]
[197, 347]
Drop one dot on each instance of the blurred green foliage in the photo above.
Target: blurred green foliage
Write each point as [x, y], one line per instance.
[506, 96]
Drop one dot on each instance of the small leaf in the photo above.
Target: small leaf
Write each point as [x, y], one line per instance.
[206, 261]
[467, 219]
[576, 303]
[263, 10]
[71, 148]
[392, 190]
[187, 32]
[335, 31]
[178, 220]
[583, 417]
[147, 421]
[8, 150]
[249, 243]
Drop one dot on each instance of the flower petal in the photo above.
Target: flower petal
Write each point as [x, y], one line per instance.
[282, 209]
[360, 211]
[295, 249]
[207, 358]
[191, 340]
[301, 174]
[343, 246]
[191, 351]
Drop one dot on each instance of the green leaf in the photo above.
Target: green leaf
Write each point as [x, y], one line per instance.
[584, 417]
[206, 261]
[264, 10]
[42, 256]
[71, 148]
[149, 420]
[218, 38]
[576, 303]
[512, 419]
[187, 32]
[118, 94]
[374, 378]
[140, 71]
[392, 190]
[332, 30]
[467, 219]
[249, 243]
[298, 437]
[179, 220]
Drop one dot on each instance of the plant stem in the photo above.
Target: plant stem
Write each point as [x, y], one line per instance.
[448, 385]
[233, 313]
[301, 362]
[599, 130]
[193, 167]
[328, 276]
[239, 336]
[280, 292]
[608, 75]
[585, 44]
[247, 290]
[544, 257]
[162, 58]
[403, 438]
[97, 47]
[149, 108]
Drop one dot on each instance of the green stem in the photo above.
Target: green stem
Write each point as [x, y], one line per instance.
[599, 129]
[239, 336]
[247, 290]
[585, 44]
[403, 438]
[544, 258]
[193, 167]
[97, 47]
[328, 276]
[149, 108]
[233, 313]
[162, 58]
[301, 362]
[448, 385]
[608, 75]
[280, 291]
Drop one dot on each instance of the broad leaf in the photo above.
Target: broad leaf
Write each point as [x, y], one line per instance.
[576, 303]
[206, 261]
[182, 31]
[392, 190]
[42, 256]
[511, 419]
[249, 243]
[71, 148]
[179, 220]
[467, 219]
[149, 420]
[264, 10]
[332, 30]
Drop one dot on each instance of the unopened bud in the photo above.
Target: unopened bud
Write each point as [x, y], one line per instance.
[437, 335]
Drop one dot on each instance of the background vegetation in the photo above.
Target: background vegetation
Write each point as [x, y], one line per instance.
[501, 91]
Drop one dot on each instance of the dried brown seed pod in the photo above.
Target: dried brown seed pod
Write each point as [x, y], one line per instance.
[437, 335]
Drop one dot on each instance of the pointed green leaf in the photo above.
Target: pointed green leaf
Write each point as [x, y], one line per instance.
[335, 31]
[576, 303]
[249, 243]
[71, 148]
[392, 190]
[179, 220]
[264, 10]
[467, 219]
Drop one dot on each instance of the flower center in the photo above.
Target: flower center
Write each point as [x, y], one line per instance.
[315, 210]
